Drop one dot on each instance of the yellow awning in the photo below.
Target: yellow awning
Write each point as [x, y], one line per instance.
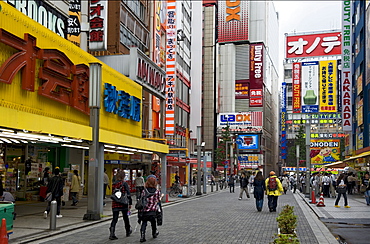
[364, 154]
[339, 164]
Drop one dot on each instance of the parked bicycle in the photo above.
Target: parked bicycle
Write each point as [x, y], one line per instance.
[175, 190]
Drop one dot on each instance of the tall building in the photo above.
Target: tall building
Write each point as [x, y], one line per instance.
[240, 72]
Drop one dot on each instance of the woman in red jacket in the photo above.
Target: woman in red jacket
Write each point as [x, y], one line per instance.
[119, 207]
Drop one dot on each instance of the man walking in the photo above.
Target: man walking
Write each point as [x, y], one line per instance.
[274, 189]
[243, 186]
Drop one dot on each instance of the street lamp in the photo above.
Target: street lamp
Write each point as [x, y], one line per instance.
[204, 169]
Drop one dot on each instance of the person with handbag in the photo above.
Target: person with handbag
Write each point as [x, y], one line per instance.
[259, 190]
[150, 210]
[118, 207]
[55, 188]
[342, 183]
[365, 184]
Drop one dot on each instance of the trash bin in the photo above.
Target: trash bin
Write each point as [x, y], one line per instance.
[7, 212]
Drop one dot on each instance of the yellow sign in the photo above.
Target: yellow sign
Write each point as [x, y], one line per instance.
[328, 86]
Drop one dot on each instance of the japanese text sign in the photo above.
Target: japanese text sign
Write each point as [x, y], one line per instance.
[98, 25]
[313, 45]
[296, 87]
[328, 86]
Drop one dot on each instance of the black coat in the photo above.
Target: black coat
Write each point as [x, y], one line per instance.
[244, 182]
[259, 189]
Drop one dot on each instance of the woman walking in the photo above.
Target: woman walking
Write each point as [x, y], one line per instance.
[259, 190]
[150, 210]
[365, 182]
[75, 187]
[342, 190]
[119, 207]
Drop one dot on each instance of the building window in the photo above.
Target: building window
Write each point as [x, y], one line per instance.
[287, 74]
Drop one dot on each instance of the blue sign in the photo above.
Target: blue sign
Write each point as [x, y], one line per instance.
[247, 142]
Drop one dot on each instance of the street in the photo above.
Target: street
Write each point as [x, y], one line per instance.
[214, 218]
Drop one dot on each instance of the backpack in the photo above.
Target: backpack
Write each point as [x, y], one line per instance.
[272, 185]
[143, 200]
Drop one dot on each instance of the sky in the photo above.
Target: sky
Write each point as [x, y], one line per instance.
[306, 16]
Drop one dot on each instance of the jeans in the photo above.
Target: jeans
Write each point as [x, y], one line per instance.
[125, 219]
[243, 189]
[74, 197]
[345, 199]
[272, 202]
[153, 222]
[232, 186]
[367, 197]
[259, 204]
[59, 202]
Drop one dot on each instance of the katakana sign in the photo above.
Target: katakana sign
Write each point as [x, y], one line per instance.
[313, 45]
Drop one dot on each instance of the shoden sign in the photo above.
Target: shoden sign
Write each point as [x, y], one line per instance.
[61, 80]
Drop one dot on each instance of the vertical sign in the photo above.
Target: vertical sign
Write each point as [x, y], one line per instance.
[74, 22]
[256, 67]
[296, 87]
[347, 65]
[328, 86]
[98, 25]
[283, 150]
[170, 66]
[232, 21]
[157, 33]
[310, 83]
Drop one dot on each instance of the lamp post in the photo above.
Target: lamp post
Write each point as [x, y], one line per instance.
[199, 188]
[308, 158]
[204, 169]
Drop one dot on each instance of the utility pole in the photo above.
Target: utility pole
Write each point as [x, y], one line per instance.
[199, 148]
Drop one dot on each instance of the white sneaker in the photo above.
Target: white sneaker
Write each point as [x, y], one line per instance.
[45, 214]
[59, 216]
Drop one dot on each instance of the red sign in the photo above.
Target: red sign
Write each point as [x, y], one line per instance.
[313, 45]
[61, 80]
[256, 66]
[256, 98]
[232, 21]
[241, 89]
[296, 87]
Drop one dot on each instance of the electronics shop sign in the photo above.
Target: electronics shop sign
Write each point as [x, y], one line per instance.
[43, 14]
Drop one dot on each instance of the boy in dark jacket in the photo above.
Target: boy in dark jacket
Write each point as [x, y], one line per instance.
[244, 186]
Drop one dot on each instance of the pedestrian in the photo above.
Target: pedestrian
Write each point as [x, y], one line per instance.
[46, 176]
[75, 187]
[342, 183]
[251, 179]
[365, 182]
[4, 195]
[293, 183]
[150, 210]
[55, 186]
[303, 183]
[232, 183]
[351, 183]
[273, 191]
[212, 179]
[106, 183]
[243, 186]
[139, 185]
[120, 207]
[333, 183]
[285, 183]
[326, 185]
[259, 190]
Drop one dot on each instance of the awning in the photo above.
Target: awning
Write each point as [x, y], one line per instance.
[339, 164]
[364, 154]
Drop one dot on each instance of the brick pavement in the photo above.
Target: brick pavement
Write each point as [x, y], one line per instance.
[213, 218]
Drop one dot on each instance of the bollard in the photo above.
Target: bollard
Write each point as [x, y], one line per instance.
[217, 186]
[53, 215]
[211, 188]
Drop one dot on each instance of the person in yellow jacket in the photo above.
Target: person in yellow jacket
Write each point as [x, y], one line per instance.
[75, 187]
[274, 189]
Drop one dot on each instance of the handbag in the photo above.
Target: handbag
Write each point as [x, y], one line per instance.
[49, 197]
[251, 190]
[341, 190]
[363, 188]
[119, 197]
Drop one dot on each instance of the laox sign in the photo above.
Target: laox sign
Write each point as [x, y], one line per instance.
[235, 118]
[148, 74]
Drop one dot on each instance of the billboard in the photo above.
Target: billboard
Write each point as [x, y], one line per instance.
[313, 45]
[310, 89]
[324, 151]
[247, 121]
[296, 87]
[328, 86]
[98, 20]
[346, 85]
[171, 32]
[283, 148]
[250, 161]
[232, 21]
[247, 142]
[241, 89]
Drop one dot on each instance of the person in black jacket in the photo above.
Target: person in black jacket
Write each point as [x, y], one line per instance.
[243, 186]
[55, 186]
[259, 190]
[342, 184]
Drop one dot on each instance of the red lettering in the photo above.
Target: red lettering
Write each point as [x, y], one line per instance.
[346, 73]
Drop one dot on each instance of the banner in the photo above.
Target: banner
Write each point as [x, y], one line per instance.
[296, 87]
[328, 86]
[324, 151]
[283, 142]
[310, 91]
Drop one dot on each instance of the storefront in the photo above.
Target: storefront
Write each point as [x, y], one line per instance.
[44, 86]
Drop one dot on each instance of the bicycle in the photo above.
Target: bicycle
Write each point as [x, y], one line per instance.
[191, 192]
[175, 190]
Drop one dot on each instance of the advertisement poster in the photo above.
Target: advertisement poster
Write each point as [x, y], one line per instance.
[324, 151]
[310, 89]
[247, 142]
[328, 86]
